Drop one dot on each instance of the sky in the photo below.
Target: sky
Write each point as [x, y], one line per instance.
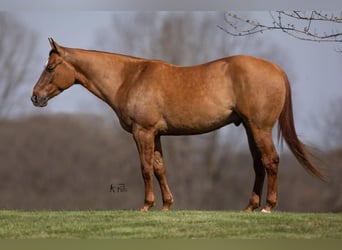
[167, 4]
[316, 66]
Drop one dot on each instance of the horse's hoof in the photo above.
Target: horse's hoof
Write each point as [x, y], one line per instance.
[167, 205]
[250, 208]
[165, 209]
[266, 211]
[146, 208]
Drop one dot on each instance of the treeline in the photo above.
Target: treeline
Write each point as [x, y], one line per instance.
[87, 162]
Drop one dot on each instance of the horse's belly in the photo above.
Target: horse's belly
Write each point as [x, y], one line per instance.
[197, 120]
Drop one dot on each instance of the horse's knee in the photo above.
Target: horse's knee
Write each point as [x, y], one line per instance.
[147, 174]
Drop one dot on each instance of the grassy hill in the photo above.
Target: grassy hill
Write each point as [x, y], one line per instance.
[120, 224]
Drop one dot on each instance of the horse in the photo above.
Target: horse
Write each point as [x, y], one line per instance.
[153, 98]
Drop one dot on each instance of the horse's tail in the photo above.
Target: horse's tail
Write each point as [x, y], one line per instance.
[287, 131]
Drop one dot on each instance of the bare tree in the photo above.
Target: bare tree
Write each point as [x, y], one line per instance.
[332, 125]
[83, 177]
[316, 26]
[17, 47]
[333, 196]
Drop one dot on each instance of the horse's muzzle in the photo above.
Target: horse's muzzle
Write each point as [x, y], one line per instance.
[39, 101]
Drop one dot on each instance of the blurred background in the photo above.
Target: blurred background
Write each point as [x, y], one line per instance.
[69, 154]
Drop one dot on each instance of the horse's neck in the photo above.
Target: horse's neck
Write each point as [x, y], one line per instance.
[101, 73]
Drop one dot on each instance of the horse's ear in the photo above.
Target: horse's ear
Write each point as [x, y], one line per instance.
[54, 45]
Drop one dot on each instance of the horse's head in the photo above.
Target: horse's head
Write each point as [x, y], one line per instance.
[57, 76]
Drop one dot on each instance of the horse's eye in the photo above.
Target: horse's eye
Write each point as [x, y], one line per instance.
[50, 68]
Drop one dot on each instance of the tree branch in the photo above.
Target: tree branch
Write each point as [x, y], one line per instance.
[298, 24]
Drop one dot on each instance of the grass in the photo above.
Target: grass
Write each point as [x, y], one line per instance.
[120, 224]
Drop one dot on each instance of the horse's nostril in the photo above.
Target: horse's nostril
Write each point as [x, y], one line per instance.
[34, 98]
[39, 101]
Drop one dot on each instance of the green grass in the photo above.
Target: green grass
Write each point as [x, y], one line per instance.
[167, 225]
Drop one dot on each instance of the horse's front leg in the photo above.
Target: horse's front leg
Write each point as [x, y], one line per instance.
[145, 142]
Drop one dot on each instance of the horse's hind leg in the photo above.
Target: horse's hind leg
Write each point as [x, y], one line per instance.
[159, 171]
[269, 159]
[254, 201]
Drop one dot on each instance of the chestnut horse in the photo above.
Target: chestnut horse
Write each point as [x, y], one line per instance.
[153, 98]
